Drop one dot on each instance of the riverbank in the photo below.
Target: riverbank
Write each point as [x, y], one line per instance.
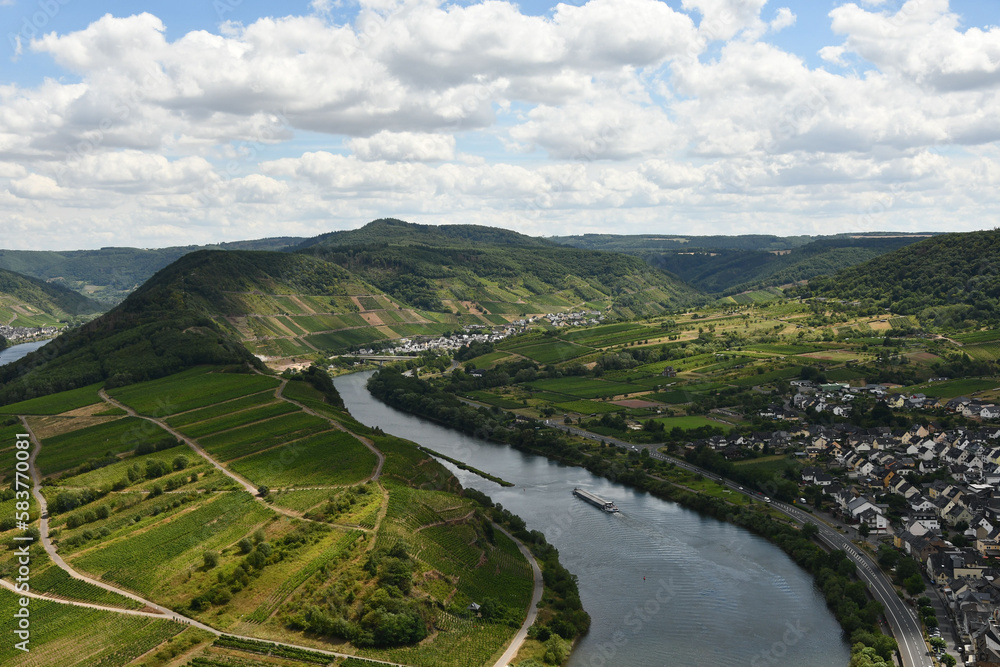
[857, 616]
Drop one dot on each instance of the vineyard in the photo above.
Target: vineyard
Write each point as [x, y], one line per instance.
[290, 583]
[69, 450]
[56, 403]
[333, 457]
[190, 389]
[143, 561]
[257, 437]
[221, 409]
[237, 419]
[56, 581]
[68, 636]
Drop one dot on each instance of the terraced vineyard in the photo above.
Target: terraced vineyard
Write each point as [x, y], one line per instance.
[178, 531]
[69, 636]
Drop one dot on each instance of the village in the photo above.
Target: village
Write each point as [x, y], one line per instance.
[932, 493]
[26, 334]
[474, 333]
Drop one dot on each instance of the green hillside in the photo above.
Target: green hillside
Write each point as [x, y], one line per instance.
[951, 280]
[30, 302]
[470, 269]
[110, 274]
[728, 265]
[398, 232]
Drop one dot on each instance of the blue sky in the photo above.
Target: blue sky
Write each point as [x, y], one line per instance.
[162, 123]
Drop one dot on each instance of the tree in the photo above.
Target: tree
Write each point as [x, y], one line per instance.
[211, 559]
[864, 530]
[914, 584]
[948, 660]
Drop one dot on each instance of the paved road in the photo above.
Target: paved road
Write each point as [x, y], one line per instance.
[536, 597]
[903, 621]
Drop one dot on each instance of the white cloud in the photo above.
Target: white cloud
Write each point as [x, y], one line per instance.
[404, 147]
[922, 42]
[482, 112]
[783, 19]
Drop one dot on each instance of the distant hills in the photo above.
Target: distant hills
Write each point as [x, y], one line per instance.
[337, 292]
[30, 302]
[494, 273]
[108, 275]
[952, 280]
[727, 265]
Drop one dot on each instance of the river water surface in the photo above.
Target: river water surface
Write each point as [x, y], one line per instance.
[663, 584]
[15, 352]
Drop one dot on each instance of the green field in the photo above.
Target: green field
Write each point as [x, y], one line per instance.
[588, 407]
[329, 458]
[991, 336]
[69, 450]
[494, 400]
[68, 636]
[489, 359]
[673, 396]
[584, 387]
[236, 419]
[220, 409]
[687, 423]
[55, 403]
[257, 437]
[139, 560]
[611, 334]
[952, 388]
[190, 389]
[551, 352]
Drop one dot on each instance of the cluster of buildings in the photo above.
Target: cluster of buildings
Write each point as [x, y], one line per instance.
[453, 342]
[860, 470]
[25, 334]
[578, 319]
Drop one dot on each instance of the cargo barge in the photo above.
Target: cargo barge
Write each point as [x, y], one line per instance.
[596, 501]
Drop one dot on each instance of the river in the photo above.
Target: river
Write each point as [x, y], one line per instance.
[663, 584]
[15, 352]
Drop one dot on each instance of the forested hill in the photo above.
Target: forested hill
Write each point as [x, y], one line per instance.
[398, 232]
[453, 268]
[30, 302]
[726, 265]
[951, 280]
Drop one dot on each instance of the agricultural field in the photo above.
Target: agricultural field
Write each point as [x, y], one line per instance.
[613, 334]
[489, 359]
[494, 400]
[195, 388]
[69, 450]
[686, 423]
[257, 437]
[952, 388]
[142, 560]
[588, 407]
[220, 409]
[68, 636]
[551, 352]
[55, 403]
[258, 414]
[990, 336]
[584, 387]
[334, 457]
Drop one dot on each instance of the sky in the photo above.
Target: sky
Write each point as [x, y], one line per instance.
[153, 124]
